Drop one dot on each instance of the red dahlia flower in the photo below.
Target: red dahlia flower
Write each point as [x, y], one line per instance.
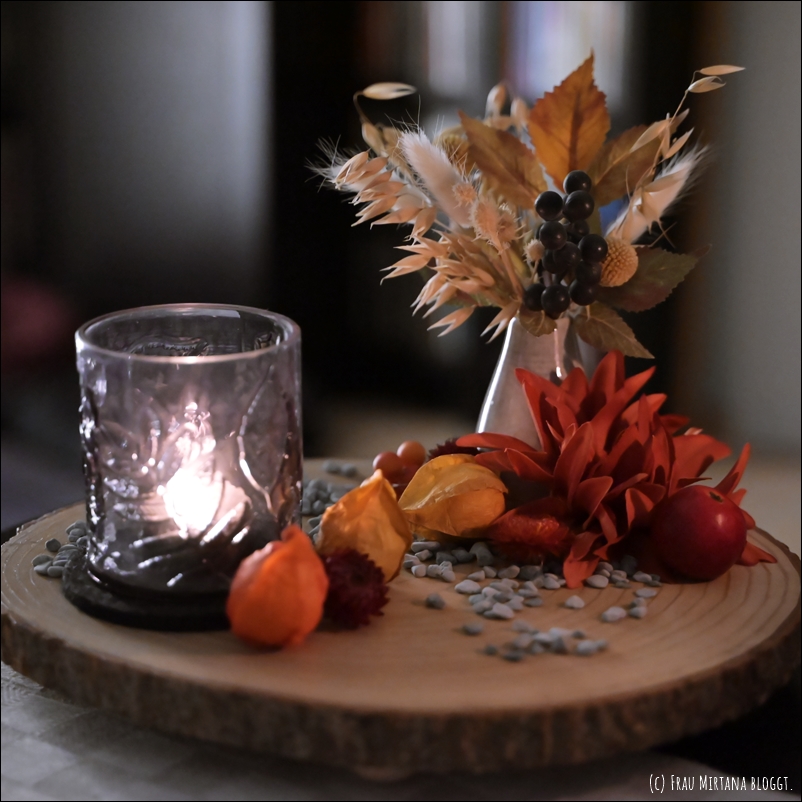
[606, 459]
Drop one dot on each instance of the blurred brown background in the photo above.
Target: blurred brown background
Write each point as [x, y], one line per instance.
[157, 152]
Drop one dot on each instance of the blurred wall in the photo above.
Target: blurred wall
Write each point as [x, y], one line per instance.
[155, 114]
[739, 333]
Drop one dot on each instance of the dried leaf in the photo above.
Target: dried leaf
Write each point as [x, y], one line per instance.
[601, 327]
[369, 520]
[453, 495]
[658, 273]
[619, 166]
[536, 323]
[506, 163]
[720, 69]
[569, 124]
[387, 90]
[678, 145]
[705, 85]
[654, 131]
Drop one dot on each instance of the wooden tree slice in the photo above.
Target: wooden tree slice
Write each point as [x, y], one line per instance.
[410, 692]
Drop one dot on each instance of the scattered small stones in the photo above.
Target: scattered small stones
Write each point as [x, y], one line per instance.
[409, 563]
[447, 575]
[489, 571]
[490, 649]
[574, 603]
[646, 593]
[435, 601]
[523, 641]
[468, 586]
[579, 634]
[503, 596]
[586, 648]
[464, 556]
[515, 603]
[522, 626]
[42, 559]
[638, 612]
[638, 602]
[629, 564]
[433, 571]
[640, 576]
[613, 614]
[476, 576]
[528, 593]
[536, 601]
[54, 544]
[618, 575]
[424, 554]
[597, 581]
[480, 608]
[418, 570]
[423, 545]
[529, 572]
[473, 629]
[605, 566]
[446, 557]
[510, 572]
[536, 648]
[622, 585]
[54, 570]
[489, 591]
[551, 583]
[42, 569]
[514, 656]
[499, 610]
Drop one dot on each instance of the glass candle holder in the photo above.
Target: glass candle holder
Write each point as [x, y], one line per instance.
[191, 433]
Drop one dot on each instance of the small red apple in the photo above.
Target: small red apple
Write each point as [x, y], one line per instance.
[698, 532]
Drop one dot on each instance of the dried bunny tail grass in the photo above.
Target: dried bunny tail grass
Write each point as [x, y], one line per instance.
[653, 200]
[494, 223]
[437, 173]
[465, 193]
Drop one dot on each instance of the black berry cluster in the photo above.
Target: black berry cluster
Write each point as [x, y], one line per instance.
[572, 261]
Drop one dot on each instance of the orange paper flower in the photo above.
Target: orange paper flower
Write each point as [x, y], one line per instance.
[607, 461]
[277, 595]
[453, 495]
[368, 520]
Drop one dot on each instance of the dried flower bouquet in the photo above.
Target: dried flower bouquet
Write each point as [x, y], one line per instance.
[487, 230]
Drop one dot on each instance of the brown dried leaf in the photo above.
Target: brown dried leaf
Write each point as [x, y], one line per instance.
[618, 167]
[506, 163]
[387, 90]
[721, 69]
[536, 323]
[569, 124]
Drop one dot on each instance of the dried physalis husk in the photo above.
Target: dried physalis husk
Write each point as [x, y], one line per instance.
[369, 520]
[453, 495]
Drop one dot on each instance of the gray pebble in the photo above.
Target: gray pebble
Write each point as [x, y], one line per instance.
[654, 584]
[515, 603]
[484, 558]
[586, 648]
[523, 641]
[574, 603]
[656, 577]
[477, 546]
[78, 526]
[316, 520]
[306, 507]
[464, 556]
[639, 602]
[640, 576]
[468, 586]
[513, 656]
[550, 583]
[318, 484]
[559, 646]
[482, 607]
[83, 541]
[319, 507]
[42, 559]
[613, 614]
[579, 634]
[41, 569]
[68, 548]
[74, 537]
[605, 566]
[544, 638]
[597, 581]
[433, 571]
[638, 612]
[331, 466]
[550, 575]
[348, 469]
[622, 585]
[489, 592]
[528, 593]
[418, 570]
[629, 564]
[602, 572]
[536, 648]
[539, 582]
[476, 576]
[476, 598]
[560, 632]
[510, 572]
[522, 626]
[54, 570]
[490, 649]
[502, 596]
[435, 601]
[446, 557]
[420, 545]
[62, 561]
[533, 602]
[530, 571]
[473, 629]
[489, 571]
[646, 593]
[424, 554]
[619, 575]
[501, 611]
[54, 544]
[510, 583]
[447, 575]
[410, 563]
[498, 585]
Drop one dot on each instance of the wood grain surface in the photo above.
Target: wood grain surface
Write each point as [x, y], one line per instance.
[412, 693]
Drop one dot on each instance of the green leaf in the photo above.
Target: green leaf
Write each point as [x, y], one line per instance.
[536, 323]
[603, 328]
[658, 273]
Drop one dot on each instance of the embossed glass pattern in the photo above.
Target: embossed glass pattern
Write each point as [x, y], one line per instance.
[191, 433]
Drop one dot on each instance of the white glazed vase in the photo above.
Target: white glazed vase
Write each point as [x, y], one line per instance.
[553, 356]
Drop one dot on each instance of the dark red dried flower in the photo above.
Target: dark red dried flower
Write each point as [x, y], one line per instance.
[357, 588]
[451, 447]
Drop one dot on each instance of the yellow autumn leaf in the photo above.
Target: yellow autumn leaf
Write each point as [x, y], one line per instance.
[453, 495]
[369, 520]
[507, 165]
[568, 125]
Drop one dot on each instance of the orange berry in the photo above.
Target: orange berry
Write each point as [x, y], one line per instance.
[412, 453]
[389, 463]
